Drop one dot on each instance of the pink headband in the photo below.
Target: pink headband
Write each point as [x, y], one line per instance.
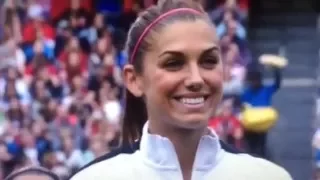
[145, 32]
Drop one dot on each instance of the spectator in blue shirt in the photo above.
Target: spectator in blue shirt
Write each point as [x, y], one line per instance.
[258, 94]
[229, 22]
[39, 48]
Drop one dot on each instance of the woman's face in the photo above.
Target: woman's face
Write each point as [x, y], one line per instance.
[74, 44]
[183, 75]
[102, 46]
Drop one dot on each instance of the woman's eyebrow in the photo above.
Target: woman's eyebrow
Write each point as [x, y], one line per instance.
[178, 53]
[210, 50]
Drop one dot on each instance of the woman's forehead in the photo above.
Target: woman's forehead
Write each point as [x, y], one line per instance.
[186, 36]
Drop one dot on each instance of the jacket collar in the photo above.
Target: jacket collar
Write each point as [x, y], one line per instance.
[159, 152]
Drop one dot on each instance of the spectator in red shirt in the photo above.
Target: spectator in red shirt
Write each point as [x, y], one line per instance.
[37, 27]
[39, 63]
[74, 66]
[227, 125]
[73, 46]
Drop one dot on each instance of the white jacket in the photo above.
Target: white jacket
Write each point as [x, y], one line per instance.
[157, 160]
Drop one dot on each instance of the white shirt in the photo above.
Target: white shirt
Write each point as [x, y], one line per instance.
[75, 159]
[32, 154]
[112, 110]
[15, 58]
[21, 88]
[157, 160]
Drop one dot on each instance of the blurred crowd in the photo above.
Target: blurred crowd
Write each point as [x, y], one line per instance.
[61, 85]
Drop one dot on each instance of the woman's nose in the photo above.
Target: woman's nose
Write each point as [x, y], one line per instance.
[194, 81]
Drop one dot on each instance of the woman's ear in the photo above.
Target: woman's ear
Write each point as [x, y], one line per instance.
[132, 80]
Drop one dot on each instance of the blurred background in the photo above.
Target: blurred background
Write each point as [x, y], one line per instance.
[61, 87]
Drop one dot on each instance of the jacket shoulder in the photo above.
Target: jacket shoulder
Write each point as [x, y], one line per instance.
[257, 168]
[119, 167]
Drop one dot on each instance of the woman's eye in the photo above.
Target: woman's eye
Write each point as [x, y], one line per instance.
[173, 65]
[209, 62]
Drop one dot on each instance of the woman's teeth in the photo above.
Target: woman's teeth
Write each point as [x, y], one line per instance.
[192, 101]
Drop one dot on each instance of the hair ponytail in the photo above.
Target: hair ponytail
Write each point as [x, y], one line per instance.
[134, 118]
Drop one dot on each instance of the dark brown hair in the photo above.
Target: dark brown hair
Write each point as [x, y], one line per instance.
[135, 114]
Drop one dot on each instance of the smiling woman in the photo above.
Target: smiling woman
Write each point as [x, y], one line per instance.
[174, 80]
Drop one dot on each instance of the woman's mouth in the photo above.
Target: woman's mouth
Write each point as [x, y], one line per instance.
[195, 102]
[192, 101]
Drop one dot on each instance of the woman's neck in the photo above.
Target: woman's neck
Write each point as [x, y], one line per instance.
[185, 142]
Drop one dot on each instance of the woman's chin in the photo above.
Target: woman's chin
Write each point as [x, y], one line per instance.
[192, 121]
